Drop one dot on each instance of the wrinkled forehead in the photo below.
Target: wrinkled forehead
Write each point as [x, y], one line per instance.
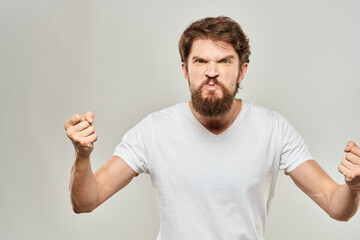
[212, 49]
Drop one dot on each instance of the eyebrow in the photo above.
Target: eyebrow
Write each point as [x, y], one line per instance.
[226, 57]
[229, 57]
[196, 58]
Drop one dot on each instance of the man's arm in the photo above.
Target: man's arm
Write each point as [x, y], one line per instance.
[89, 190]
[339, 201]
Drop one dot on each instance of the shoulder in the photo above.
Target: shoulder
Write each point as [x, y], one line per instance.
[256, 111]
[268, 118]
[167, 118]
[175, 112]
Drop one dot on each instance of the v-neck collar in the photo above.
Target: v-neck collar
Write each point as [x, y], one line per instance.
[240, 115]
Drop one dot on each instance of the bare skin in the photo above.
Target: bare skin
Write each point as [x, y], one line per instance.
[87, 189]
[340, 202]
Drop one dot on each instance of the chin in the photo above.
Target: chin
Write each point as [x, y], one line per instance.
[212, 96]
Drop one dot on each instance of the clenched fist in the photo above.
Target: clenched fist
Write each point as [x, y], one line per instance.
[81, 132]
[350, 166]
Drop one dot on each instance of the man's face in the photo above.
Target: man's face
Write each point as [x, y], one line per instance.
[213, 72]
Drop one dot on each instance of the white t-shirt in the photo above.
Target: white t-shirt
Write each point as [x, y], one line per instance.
[213, 186]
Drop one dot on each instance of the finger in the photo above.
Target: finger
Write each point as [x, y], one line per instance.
[356, 150]
[344, 171]
[349, 165]
[81, 126]
[353, 158]
[349, 146]
[349, 175]
[87, 142]
[92, 138]
[87, 131]
[75, 119]
[90, 117]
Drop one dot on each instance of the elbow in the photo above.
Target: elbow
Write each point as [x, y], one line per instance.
[343, 211]
[79, 210]
[343, 217]
[82, 208]
[340, 219]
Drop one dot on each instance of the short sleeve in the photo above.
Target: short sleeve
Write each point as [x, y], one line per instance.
[135, 147]
[293, 148]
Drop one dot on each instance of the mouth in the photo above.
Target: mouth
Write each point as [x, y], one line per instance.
[211, 84]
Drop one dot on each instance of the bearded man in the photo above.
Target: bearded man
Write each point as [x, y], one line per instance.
[213, 161]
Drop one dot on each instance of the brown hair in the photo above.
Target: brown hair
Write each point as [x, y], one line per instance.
[218, 29]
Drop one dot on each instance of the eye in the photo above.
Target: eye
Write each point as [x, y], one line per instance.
[200, 61]
[225, 61]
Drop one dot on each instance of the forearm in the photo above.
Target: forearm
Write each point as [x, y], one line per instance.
[343, 203]
[83, 186]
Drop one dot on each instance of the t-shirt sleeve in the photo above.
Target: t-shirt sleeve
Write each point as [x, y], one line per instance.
[293, 148]
[135, 147]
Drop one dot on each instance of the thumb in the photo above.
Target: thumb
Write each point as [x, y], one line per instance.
[349, 146]
[89, 116]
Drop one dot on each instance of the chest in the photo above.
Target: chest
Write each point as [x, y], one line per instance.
[209, 167]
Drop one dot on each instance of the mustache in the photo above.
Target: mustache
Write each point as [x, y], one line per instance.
[207, 81]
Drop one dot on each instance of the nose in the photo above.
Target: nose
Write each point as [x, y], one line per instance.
[212, 70]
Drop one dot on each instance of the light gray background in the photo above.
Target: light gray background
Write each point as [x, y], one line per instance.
[120, 59]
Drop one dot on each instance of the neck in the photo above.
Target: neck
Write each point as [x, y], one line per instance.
[219, 124]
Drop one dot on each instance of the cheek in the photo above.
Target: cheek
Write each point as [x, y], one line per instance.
[195, 77]
[193, 85]
[196, 73]
[229, 75]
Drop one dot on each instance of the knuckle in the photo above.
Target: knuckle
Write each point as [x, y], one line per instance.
[76, 141]
[82, 142]
[90, 113]
[77, 116]
[75, 137]
[86, 124]
[355, 149]
[69, 133]
[343, 161]
[351, 176]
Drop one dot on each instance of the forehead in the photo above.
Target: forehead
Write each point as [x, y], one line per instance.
[207, 48]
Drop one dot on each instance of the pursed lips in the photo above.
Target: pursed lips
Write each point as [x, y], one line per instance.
[211, 85]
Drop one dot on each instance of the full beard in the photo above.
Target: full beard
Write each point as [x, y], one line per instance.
[213, 106]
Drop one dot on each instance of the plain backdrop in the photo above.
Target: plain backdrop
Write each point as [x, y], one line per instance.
[120, 59]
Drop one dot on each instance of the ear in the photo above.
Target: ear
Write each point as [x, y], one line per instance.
[242, 72]
[185, 71]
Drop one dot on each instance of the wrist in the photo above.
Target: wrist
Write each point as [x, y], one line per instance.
[82, 162]
[82, 156]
